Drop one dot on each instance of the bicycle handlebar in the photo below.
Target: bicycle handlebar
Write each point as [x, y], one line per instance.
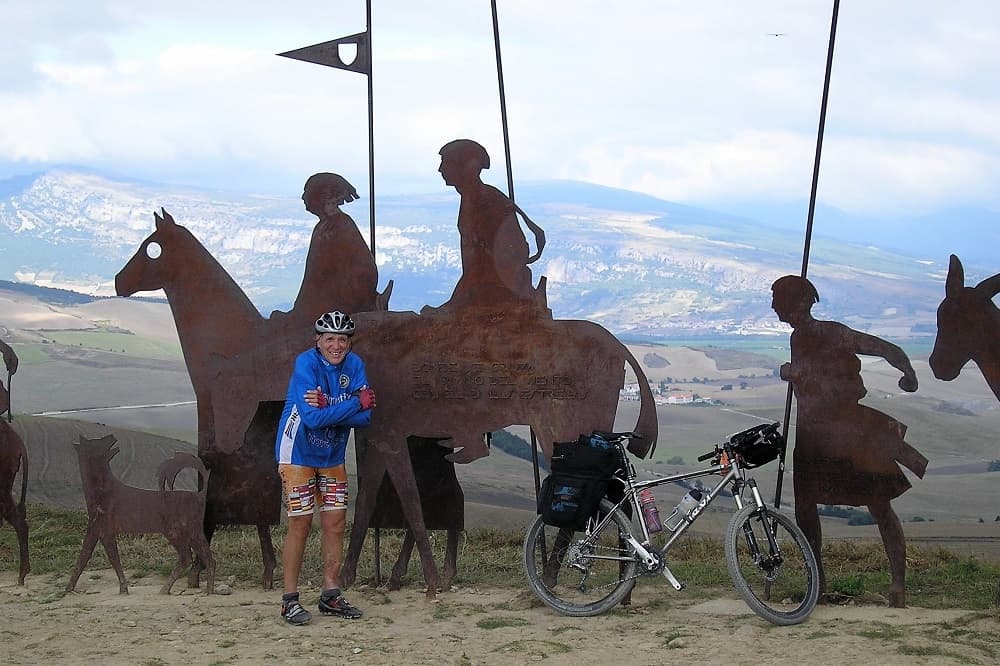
[707, 456]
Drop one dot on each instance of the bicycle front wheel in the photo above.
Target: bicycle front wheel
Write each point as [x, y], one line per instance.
[581, 573]
[772, 565]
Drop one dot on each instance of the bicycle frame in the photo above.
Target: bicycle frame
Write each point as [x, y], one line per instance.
[652, 558]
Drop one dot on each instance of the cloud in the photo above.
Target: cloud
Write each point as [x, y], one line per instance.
[685, 101]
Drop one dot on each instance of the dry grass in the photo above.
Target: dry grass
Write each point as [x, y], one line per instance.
[937, 578]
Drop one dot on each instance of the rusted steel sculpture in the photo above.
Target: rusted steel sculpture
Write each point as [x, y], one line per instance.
[845, 453]
[456, 375]
[10, 362]
[968, 328]
[237, 359]
[442, 504]
[114, 508]
[494, 251]
[339, 271]
[14, 456]
[479, 364]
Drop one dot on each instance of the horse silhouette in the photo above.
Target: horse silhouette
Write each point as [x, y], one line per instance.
[237, 360]
[450, 375]
[14, 456]
[968, 328]
[454, 376]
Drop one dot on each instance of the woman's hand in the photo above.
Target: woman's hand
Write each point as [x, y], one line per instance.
[316, 398]
[367, 398]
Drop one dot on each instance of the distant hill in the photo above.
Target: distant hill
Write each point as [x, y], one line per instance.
[638, 265]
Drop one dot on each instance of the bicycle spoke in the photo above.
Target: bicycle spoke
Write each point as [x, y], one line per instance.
[776, 573]
[580, 573]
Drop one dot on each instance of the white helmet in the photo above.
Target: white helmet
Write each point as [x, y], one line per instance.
[335, 322]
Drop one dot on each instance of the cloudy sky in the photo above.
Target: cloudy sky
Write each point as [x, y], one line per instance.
[696, 102]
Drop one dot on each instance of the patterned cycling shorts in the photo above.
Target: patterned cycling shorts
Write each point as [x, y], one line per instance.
[306, 487]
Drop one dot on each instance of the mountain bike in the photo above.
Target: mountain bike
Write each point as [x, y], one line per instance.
[585, 571]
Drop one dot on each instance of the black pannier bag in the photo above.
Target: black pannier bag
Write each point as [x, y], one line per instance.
[581, 473]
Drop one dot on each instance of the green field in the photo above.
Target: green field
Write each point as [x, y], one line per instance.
[115, 342]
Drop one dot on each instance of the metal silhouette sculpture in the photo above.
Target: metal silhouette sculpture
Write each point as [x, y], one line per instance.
[845, 453]
[13, 457]
[968, 328]
[114, 508]
[454, 376]
[494, 251]
[10, 362]
[237, 359]
[339, 268]
[442, 504]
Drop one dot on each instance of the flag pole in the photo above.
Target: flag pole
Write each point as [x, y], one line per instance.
[371, 131]
[510, 190]
[809, 227]
[503, 101]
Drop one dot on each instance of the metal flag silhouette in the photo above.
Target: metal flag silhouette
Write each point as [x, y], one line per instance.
[330, 54]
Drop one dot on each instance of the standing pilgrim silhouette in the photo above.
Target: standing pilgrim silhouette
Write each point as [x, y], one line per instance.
[845, 453]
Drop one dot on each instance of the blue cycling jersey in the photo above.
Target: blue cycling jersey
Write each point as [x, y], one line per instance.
[317, 436]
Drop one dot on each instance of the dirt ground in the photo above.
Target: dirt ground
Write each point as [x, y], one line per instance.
[462, 626]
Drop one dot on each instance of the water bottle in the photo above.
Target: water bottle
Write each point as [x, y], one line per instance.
[650, 514]
[680, 512]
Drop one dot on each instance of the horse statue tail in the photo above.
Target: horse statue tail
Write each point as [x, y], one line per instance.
[647, 424]
[168, 470]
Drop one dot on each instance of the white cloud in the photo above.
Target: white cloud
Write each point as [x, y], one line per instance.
[686, 101]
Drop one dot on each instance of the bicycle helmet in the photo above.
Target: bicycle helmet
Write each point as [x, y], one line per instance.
[335, 322]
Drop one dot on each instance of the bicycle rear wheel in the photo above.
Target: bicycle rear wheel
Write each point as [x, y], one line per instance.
[581, 573]
[781, 585]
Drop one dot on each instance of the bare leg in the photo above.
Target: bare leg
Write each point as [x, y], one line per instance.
[807, 518]
[332, 545]
[894, 542]
[292, 550]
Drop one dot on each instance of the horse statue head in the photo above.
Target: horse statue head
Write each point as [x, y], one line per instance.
[968, 325]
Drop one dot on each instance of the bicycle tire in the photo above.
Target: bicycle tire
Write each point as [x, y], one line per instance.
[783, 592]
[587, 574]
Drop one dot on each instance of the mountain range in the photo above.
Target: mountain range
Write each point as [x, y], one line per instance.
[639, 265]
